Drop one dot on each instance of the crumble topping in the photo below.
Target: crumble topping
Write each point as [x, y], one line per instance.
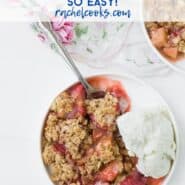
[62, 105]
[72, 134]
[104, 110]
[51, 129]
[81, 142]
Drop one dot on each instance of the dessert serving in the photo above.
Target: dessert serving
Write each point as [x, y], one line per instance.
[99, 141]
[168, 38]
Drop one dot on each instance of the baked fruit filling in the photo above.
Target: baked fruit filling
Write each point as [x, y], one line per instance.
[168, 37]
[81, 144]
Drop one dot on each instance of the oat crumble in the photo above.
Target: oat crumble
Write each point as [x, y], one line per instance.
[72, 134]
[103, 110]
[73, 152]
[62, 105]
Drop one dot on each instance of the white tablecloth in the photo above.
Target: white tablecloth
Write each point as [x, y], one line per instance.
[30, 76]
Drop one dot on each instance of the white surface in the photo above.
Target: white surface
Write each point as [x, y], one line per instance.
[30, 76]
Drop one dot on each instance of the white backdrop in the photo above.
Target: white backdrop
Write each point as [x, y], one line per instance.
[30, 76]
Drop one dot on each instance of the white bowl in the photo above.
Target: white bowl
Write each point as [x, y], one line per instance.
[178, 66]
[141, 95]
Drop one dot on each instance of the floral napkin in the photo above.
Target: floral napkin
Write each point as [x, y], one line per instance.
[101, 44]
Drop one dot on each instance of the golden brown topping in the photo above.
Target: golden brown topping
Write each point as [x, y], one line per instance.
[104, 152]
[72, 134]
[181, 46]
[49, 154]
[62, 105]
[62, 171]
[51, 129]
[59, 168]
[103, 110]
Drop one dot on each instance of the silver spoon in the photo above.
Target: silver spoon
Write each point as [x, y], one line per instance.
[91, 92]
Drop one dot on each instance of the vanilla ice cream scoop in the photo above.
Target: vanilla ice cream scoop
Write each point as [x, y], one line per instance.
[149, 135]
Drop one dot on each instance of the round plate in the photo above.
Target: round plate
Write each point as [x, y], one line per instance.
[141, 96]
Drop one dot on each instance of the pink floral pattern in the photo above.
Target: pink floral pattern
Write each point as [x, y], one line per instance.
[64, 30]
[42, 37]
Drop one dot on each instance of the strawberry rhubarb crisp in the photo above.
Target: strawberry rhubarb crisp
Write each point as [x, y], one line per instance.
[81, 144]
[168, 37]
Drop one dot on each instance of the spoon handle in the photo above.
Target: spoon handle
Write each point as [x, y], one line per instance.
[67, 56]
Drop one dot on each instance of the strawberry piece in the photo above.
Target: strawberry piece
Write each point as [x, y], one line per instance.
[94, 123]
[159, 37]
[118, 108]
[110, 172]
[175, 31]
[171, 52]
[134, 179]
[117, 91]
[59, 148]
[81, 110]
[104, 142]
[77, 91]
[92, 117]
[152, 181]
[101, 83]
[98, 133]
[101, 183]
[124, 101]
[78, 110]
[78, 181]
